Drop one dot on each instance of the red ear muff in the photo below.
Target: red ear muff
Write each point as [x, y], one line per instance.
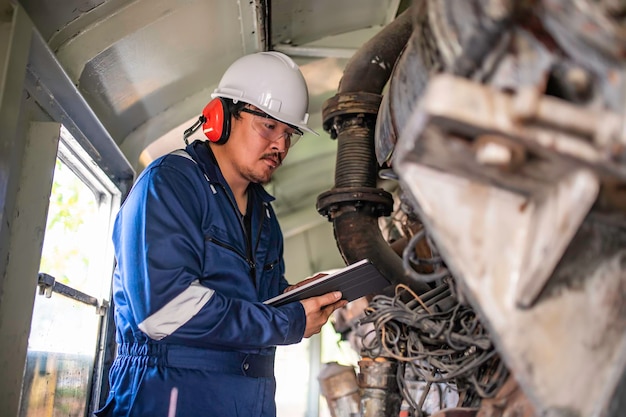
[216, 125]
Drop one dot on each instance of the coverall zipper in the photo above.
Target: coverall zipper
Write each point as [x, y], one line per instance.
[250, 257]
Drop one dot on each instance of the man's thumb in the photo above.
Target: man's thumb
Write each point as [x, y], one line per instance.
[330, 298]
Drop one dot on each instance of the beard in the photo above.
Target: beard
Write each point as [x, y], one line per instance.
[264, 178]
[259, 179]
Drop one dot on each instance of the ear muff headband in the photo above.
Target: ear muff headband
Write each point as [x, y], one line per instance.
[216, 124]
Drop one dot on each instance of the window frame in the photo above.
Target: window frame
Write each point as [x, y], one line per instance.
[80, 162]
[108, 198]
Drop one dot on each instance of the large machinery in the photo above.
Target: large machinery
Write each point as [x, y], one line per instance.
[481, 166]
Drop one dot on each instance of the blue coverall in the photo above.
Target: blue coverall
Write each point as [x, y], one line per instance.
[194, 337]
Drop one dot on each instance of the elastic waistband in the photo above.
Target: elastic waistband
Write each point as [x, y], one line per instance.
[236, 363]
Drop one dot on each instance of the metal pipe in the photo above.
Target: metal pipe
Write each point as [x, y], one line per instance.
[380, 395]
[341, 390]
[354, 204]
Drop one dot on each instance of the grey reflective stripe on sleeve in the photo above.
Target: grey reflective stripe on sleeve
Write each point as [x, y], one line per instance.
[177, 312]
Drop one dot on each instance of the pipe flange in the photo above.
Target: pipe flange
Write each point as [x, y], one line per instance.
[348, 104]
[377, 199]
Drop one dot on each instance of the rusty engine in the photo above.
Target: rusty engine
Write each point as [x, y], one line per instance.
[481, 166]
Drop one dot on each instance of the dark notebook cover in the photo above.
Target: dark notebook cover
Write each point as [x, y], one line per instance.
[354, 281]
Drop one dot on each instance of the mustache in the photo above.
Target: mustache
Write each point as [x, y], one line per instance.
[277, 155]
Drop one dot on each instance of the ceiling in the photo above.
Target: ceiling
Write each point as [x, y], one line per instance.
[148, 67]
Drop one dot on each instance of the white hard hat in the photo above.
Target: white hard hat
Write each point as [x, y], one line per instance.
[270, 81]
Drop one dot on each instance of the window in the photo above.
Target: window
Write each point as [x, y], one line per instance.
[298, 392]
[64, 346]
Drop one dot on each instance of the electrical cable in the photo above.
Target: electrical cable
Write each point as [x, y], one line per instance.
[450, 347]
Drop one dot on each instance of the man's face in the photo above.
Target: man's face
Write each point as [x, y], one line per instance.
[257, 146]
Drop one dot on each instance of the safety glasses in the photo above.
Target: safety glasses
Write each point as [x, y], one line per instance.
[271, 129]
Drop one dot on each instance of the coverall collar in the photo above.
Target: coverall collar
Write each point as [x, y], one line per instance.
[202, 154]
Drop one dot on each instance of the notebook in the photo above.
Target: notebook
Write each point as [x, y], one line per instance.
[354, 281]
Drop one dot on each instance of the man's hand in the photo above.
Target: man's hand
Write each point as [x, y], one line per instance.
[319, 309]
[305, 281]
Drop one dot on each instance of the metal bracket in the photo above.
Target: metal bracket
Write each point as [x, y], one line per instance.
[48, 284]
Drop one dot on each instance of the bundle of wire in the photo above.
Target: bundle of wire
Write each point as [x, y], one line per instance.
[436, 346]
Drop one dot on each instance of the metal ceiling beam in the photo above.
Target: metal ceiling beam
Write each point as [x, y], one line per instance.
[58, 96]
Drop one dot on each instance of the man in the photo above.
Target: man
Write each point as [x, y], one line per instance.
[199, 249]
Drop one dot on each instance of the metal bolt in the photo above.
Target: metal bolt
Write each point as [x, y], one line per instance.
[493, 154]
[579, 79]
[498, 151]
